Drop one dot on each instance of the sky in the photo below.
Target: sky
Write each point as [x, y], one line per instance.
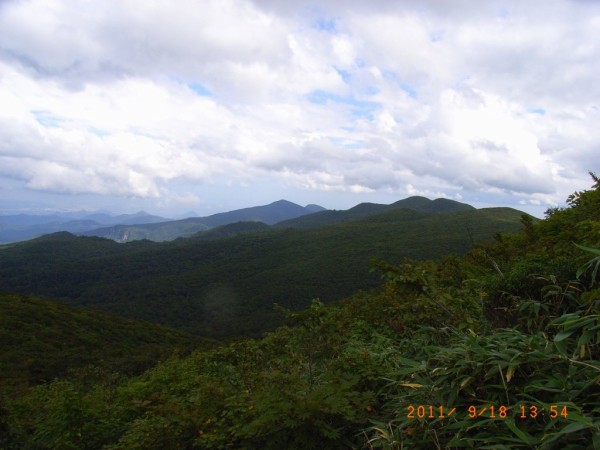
[212, 105]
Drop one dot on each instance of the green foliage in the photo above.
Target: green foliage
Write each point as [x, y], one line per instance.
[592, 265]
[506, 368]
[60, 416]
[285, 391]
[423, 296]
[41, 340]
[549, 360]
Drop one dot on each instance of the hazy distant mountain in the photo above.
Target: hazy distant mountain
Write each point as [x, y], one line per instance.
[315, 208]
[126, 219]
[25, 226]
[166, 231]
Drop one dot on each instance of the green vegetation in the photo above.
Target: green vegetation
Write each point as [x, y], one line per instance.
[232, 229]
[41, 340]
[226, 287]
[497, 349]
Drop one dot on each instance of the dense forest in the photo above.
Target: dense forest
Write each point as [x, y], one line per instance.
[498, 348]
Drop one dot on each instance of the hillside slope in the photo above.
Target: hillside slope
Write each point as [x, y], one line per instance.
[41, 340]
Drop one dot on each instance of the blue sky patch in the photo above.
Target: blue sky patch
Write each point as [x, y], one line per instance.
[195, 86]
[324, 24]
[360, 108]
[539, 111]
[199, 89]
[409, 89]
[345, 74]
[345, 142]
[98, 131]
[46, 118]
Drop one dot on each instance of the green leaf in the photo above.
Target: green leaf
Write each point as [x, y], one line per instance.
[519, 433]
[573, 427]
[563, 335]
[593, 251]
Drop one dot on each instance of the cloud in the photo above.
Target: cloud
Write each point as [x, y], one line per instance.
[90, 41]
[138, 99]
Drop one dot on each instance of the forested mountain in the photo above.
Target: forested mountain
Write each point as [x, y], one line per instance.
[231, 229]
[268, 214]
[497, 349]
[416, 203]
[227, 287]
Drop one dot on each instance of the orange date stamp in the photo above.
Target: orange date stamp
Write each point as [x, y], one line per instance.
[521, 411]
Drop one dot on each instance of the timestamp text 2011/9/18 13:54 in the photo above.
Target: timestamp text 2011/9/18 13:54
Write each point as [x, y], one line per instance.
[522, 411]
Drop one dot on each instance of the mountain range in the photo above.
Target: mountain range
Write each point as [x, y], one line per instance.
[168, 230]
[141, 225]
[222, 282]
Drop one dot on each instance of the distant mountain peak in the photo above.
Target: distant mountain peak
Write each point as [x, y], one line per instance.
[283, 202]
[424, 204]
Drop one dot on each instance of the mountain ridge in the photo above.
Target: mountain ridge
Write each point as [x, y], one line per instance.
[365, 209]
[224, 285]
[141, 225]
[269, 214]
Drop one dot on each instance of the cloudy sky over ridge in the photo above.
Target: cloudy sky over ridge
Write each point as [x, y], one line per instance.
[214, 105]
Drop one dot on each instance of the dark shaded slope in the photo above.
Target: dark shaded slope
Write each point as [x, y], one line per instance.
[41, 340]
[231, 229]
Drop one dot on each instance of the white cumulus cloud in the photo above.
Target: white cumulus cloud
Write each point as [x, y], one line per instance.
[160, 99]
